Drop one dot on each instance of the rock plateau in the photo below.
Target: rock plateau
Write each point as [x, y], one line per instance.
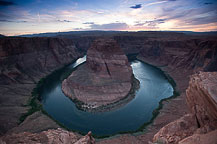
[104, 79]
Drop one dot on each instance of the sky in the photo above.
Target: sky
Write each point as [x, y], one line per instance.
[19, 17]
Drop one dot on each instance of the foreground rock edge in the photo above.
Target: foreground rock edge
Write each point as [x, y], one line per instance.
[201, 125]
[51, 136]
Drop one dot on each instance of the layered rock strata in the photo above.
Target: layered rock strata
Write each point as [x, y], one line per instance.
[58, 136]
[105, 78]
[23, 62]
[202, 101]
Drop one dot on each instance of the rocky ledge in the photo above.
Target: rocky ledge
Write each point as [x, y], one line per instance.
[58, 136]
[201, 125]
[104, 79]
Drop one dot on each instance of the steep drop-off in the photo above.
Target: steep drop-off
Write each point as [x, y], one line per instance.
[23, 61]
[202, 99]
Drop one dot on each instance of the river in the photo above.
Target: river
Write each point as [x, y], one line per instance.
[153, 87]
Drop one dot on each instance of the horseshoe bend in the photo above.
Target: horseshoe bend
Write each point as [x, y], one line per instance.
[177, 63]
[105, 78]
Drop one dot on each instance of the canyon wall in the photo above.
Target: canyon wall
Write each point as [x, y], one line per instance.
[23, 61]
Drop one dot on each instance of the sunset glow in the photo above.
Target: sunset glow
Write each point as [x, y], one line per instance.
[39, 16]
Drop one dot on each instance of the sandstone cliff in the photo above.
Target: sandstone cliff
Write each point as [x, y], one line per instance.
[187, 54]
[105, 78]
[23, 61]
[202, 100]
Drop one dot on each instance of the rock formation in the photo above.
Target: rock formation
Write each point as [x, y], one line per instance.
[198, 126]
[23, 61]
[208, 138]
[58, 136]
[105, 78]
[202, 99]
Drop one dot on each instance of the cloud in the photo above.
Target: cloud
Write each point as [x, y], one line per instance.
[136, 6]
[154, 3]
[89, 23]
[183, 14]
[6, 3]
[64, 21]
[208, 3]
[152, 23]
[4, 20]
[110, 26]
[167, 0]
[202, 20]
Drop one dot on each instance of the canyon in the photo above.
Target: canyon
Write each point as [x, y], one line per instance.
[24, 61]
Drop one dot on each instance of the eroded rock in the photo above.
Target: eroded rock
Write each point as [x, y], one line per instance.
[202, 98]
[209, 138]
[104, 79]
[177, 130]
[198, 126]
[58, 136]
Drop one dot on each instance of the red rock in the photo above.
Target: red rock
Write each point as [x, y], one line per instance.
[177, 130]
[208, 138]
[202, 98]
[58, 136]
[104, 79]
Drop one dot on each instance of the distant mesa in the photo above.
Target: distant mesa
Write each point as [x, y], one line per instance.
[105, 78]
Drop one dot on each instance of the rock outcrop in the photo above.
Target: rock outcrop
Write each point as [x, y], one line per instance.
[105, 78]
[208, 138]
[202, 99]
[177, 130]
[198, 126]
[58, 136]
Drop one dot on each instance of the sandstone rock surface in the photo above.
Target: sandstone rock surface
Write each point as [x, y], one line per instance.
[200, 125]
[208, 138]
[23, 62]
[202, 98]
[105, 78]
[177, 130]
[58, 136]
